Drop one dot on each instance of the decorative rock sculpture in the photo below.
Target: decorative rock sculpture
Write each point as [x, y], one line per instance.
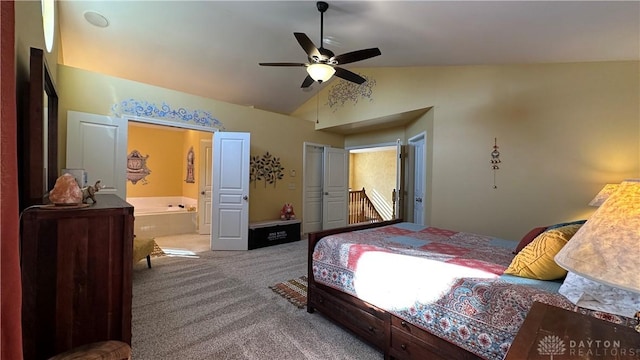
[66, 191]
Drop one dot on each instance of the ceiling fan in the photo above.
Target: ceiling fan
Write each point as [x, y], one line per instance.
[323, 64]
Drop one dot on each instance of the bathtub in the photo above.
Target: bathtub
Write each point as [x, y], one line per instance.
[163, 216]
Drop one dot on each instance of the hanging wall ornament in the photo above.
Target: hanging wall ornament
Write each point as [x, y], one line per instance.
[190, 166]
[137, 169]
[267, 168]
[495, 160]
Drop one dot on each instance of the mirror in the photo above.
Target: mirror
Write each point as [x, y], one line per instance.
[38, 151]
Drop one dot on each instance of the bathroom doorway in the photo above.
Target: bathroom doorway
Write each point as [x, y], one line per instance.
[166, 199]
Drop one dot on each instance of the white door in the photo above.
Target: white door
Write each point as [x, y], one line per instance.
[204, 181]
[336, 188]
[98, 144]
[313, 175]
[230, 192]
[401, 157]
[419, 179]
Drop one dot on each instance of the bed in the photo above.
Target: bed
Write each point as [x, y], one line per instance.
[417, 292]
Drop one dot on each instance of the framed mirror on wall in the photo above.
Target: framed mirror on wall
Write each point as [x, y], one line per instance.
[38, 145]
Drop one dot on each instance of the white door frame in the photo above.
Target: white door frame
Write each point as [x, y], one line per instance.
[161, 122]
[399, 186]
[420, 171]
[175, 124]
[204, 193]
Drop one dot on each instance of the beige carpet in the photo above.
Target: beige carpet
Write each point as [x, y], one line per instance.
[219, 306]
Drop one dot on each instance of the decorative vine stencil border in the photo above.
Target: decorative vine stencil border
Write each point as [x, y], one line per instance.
[147, 109]
[344, 91]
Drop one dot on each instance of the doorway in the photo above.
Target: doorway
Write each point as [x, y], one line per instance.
[417, 151]
[325, 187]
[373, 171]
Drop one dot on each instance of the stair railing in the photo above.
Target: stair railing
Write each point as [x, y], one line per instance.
[361, 209]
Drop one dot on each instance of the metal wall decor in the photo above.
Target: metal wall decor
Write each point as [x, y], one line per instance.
[150, 110]
[344, 91]
[265, 168]
[190, 167]
[137, 169]
[495, 160]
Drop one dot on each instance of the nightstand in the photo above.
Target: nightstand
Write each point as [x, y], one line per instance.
[550, 332]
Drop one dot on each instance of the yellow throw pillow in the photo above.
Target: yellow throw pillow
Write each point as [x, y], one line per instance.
[535, 261]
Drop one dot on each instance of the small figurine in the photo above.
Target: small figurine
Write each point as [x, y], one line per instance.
[89, 192]
[287, 212]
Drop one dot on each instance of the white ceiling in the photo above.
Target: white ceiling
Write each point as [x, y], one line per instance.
[212, 48]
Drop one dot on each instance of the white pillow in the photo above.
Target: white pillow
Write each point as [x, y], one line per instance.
[600, 297]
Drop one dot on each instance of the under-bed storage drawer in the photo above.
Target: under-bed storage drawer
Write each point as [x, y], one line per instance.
[410, 342]
[361, 322]
[405, 346]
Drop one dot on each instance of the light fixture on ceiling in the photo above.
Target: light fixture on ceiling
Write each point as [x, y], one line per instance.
[48, 22]
[96, 19]
[320, 72]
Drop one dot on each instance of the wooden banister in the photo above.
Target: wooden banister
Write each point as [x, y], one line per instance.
[361, 209]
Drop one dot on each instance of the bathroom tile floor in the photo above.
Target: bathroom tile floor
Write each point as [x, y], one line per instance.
[187, 242]
[190, 242]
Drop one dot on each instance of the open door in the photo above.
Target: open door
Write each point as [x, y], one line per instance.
[230, 191]
[401, 158]
[98, 144]
[313, 175]
[419, 151]
[204, 181]
[335, 202]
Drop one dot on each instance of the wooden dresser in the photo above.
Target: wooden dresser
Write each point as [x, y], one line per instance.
[551, 332]
[76, 276]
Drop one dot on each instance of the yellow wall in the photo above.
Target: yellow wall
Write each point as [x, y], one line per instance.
[29, 33]
[192, 138]
[164, 148]
[564, 130]
[375, 172]
[167, 149]
[281, 135]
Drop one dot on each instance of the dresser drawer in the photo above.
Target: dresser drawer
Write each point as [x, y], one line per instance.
[364, 324]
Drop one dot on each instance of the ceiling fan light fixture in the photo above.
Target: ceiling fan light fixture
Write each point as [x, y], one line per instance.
[320, 72]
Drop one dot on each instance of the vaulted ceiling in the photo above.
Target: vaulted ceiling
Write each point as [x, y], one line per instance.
[212, 48]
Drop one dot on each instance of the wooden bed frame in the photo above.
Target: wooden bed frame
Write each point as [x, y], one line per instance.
[396, 338]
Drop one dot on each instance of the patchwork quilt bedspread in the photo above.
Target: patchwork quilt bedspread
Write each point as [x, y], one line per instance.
[446, 282]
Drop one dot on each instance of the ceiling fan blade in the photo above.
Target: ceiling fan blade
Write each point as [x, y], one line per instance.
[307, 82]
[355, 56]
[348, 75]
[308, 46]
[282, 64]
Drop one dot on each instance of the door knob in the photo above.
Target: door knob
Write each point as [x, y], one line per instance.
[202, 192]
[418, 199]
[245, 198]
